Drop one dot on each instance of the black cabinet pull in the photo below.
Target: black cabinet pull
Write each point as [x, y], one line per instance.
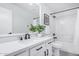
[39, 48]
[50, 42]
[44, 53]
[54, 34]
[47, 52]
[54, 37]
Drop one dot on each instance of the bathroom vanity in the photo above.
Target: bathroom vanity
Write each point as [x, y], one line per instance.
[38, 46]
[33, 47]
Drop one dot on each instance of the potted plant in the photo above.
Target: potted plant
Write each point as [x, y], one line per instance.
[33, 30]
[37, 28]
[40, 28]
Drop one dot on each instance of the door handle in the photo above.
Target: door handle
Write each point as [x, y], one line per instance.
[47, 52]
[44, 53]
[39, 48]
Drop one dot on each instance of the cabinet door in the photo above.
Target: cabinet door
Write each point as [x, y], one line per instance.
[49, 51]
[41, 53]
[22, 53]
[49, 48]
[38, 50]
[56, 51]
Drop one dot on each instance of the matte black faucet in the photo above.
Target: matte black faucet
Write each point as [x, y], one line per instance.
[27, 36]
[21, 38]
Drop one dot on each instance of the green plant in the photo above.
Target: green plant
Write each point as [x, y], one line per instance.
[38, 28]
[33, 28]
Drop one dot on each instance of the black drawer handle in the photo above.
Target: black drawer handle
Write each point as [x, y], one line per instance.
[39, 48]
[44, 53]
[54, 37]
[50, 42]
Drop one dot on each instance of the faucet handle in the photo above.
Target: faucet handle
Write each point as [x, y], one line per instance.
[21, 38]
[54, 34]
[10, 33]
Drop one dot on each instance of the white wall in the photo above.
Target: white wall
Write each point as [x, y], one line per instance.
[65, 25]
[76, 34]
[5, 21]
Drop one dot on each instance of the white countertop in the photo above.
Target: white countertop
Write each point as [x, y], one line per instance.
[10, 47]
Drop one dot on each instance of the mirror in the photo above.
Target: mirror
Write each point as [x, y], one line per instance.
[17, 17]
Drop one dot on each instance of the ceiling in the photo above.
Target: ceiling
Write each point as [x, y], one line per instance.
[52, 7]
[55, 7]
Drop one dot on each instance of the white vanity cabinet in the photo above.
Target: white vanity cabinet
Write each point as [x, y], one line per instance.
[24, 52]
[43, 49]
[49, 47]
[38, 50]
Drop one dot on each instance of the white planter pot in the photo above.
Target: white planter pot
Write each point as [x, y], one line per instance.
[39, 35]
[33, 34]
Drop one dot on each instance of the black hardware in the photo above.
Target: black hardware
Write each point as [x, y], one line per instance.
[44, 53]
[10, 33]
[50, 42]
[39, 48]
[54, 37]
[54, 34]
[27, 36]
[21, 38]
[47, 52]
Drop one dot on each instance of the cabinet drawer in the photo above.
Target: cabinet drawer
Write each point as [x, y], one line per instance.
[37, 49]
[49, 42]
